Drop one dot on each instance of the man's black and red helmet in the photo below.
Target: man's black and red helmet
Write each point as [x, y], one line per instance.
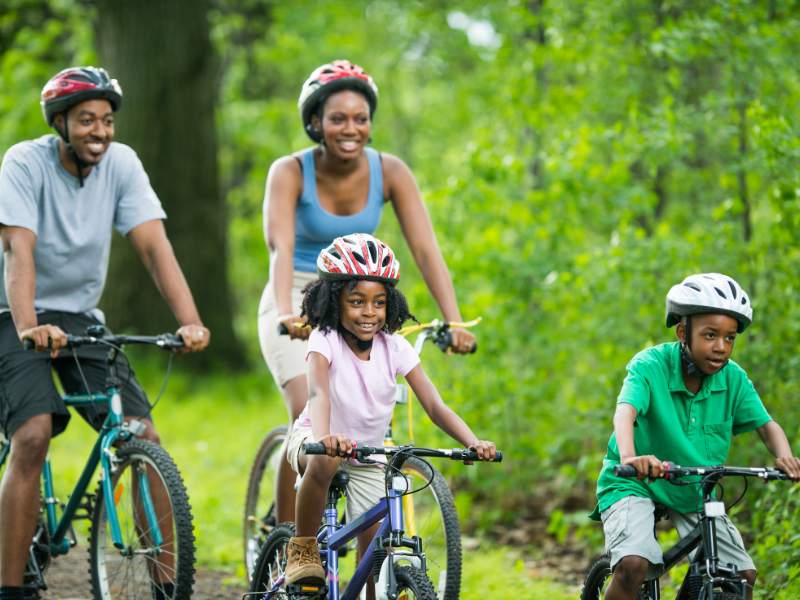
[328, 79]
[77, 84]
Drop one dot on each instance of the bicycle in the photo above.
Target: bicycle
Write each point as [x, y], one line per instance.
[706, 578]
[433, 514]
[141, 535]
[396, 561]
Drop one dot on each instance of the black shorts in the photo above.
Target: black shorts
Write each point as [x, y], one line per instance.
[27, 388]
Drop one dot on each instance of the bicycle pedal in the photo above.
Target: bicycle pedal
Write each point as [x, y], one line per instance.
[307, 591]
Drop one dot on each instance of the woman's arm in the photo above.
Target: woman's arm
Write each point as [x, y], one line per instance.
[443, 416]
[401, 189]
[284, 185]
[776, 442]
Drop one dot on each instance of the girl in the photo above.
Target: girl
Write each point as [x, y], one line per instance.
[353, 360]
[314, 195]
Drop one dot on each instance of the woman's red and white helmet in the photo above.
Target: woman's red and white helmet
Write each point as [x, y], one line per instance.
[706, 293]
[77, 84]
[328, 79]
[358, 256]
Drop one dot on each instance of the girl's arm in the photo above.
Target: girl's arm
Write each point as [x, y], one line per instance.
[401, 188]
[646, 465]
[319, 406]
[284, 184]
[444, 417]
[776, 442]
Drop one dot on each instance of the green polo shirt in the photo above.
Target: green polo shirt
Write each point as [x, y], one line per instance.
[676, 425]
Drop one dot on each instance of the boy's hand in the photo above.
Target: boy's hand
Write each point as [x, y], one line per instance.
[337, 445]
[646, 466]
[789, 465]
[484, 448]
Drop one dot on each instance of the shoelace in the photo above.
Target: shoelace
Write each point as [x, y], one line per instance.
[305, 554]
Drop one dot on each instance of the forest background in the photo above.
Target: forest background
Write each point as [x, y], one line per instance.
[577, 159]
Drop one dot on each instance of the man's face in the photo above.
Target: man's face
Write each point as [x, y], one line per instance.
[91, 129]
[712, 341]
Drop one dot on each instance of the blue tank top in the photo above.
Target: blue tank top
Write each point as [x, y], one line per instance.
[315, 227]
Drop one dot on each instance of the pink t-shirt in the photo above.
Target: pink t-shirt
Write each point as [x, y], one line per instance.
[361, 391]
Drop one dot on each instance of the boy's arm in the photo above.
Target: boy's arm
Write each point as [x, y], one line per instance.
[776, 442]
[319, 406]
[646, 465]
[444, 417]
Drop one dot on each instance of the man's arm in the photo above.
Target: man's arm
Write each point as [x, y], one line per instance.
[20, 281]
[151, 244]
[776, 442]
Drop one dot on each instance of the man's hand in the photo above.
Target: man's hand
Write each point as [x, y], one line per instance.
[296, 326]
[337, 445]
[195, 337]
[646, 466]
[789, 465]
[462, 341]
[45, 337]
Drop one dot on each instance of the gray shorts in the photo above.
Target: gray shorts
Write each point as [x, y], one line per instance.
[367, 483]
[628, 527]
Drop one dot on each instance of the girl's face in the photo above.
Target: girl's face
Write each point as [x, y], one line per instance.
[345, 124]
[363, 309]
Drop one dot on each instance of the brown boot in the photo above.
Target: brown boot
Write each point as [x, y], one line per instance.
[302, 563]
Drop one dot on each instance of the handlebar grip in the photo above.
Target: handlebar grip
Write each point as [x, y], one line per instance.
[173, 341]
[28, 344]
[474, 348]
[314, 448]
[625, 471]
[282, 329]
[473, 456]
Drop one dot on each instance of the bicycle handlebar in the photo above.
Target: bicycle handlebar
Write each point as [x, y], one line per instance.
[167, 341]
[366, 451]
[714, 473]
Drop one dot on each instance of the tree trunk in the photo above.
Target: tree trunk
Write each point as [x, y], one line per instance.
[161, 53]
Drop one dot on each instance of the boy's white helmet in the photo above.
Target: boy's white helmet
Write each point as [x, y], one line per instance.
[709, 293]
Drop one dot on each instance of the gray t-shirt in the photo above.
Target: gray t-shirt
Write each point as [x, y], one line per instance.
[72, 223]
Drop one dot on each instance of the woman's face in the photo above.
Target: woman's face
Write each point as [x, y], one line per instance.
[345, 123]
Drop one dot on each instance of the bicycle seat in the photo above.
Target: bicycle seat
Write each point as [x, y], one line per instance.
[339, 482]
[660, 513]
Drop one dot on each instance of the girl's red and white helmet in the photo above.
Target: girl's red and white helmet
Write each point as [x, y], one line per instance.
[328, 79]
[76, 84]
[358, 256]
[709, 293]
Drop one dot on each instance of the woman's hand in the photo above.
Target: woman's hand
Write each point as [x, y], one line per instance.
[337, 445]
[296, 327]
[195, 337]
[462, 341]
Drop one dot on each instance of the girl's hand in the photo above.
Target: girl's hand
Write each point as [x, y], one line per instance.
[485, 449]
[462, 341]
[789, 465]
[296, 326]
[646, 466]
[337, 445]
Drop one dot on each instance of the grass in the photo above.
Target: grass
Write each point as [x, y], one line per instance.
[211, 425]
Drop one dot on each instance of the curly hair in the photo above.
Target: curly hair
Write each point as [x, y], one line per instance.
[321, 303]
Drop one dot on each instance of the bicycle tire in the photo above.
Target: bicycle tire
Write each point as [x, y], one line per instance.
[259, 503]
[271, 562]
[128, 573]
[597, 578]
[411, 580]
[436, 522]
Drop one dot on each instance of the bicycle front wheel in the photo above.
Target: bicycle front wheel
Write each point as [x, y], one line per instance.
[431, 514]
[259, 503]
[597, 579]
[142, 568]
[413, 584]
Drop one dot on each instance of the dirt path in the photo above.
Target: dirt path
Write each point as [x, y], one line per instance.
[68, 579]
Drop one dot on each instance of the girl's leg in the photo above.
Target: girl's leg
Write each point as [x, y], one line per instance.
[295, 395]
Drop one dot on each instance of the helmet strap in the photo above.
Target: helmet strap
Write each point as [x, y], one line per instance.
[80, 165]
[686, 358]
[362, 345]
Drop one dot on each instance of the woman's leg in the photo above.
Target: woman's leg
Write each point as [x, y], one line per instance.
[295, 395]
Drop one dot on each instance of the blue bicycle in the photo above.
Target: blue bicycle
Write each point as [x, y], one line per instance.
[141, 535]
[395, 561]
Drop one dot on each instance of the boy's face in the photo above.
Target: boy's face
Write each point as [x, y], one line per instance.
[712, 341]
[363, 309]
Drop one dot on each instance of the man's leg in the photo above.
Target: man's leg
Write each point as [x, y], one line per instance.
[19, 496]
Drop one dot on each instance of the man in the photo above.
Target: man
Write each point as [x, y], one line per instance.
[59, 198]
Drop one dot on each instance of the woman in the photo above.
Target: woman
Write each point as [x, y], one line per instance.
[313, 196]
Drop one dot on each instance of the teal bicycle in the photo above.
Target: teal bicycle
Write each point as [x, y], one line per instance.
[141, 542]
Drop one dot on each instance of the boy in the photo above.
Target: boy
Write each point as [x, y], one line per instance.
[682, 402]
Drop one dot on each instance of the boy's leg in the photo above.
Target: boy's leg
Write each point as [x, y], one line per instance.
[730, 546]
[630, 541]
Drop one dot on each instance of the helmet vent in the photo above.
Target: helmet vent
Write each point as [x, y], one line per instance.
[373, 251]
[721, 293]
[385, 260]
[335, 254]
[733, 288]
[694, 286]
[359, 258]
[744, 299]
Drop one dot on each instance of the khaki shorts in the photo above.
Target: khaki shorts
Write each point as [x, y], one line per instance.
[628, 527]
[286, 358]
[366, 486]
